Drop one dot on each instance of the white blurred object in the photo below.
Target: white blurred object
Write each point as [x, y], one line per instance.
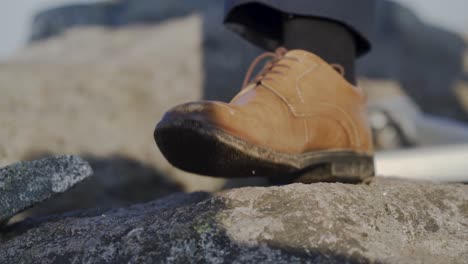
[438, 164]
[398, 122]
[440, 146]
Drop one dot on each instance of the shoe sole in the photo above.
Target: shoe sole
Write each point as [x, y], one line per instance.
[199, 148]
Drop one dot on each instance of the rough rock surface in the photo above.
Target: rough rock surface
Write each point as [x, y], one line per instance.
[27, 183]
[386, 222]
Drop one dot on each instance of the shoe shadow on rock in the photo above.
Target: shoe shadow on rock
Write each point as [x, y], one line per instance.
[318, 174]
[117, 182]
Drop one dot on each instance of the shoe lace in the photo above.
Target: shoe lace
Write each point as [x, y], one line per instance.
[276, 57]
[267, 68]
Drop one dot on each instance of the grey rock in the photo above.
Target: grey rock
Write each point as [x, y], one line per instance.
[427, 61]
[116, 182]
[388, 221]
[113, 14]
[25, 184]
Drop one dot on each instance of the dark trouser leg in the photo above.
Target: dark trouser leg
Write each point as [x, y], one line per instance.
[336, 30]
[330, 40]
[262, 21]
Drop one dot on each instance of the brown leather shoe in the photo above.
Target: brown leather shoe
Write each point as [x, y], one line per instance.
[298, 118]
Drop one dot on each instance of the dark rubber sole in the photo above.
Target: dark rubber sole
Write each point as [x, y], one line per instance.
[202, 149]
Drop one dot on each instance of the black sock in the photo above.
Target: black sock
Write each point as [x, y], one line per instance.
[330, 40]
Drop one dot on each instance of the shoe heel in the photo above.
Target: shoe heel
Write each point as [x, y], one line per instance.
[361, 168]
[347, 170]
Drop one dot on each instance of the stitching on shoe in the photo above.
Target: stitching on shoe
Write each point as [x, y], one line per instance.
[298, 79]
[355, 140]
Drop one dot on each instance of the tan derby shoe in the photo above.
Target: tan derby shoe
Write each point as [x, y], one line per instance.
[298, 118]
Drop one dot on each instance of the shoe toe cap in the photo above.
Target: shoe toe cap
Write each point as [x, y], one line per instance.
[204, 111]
